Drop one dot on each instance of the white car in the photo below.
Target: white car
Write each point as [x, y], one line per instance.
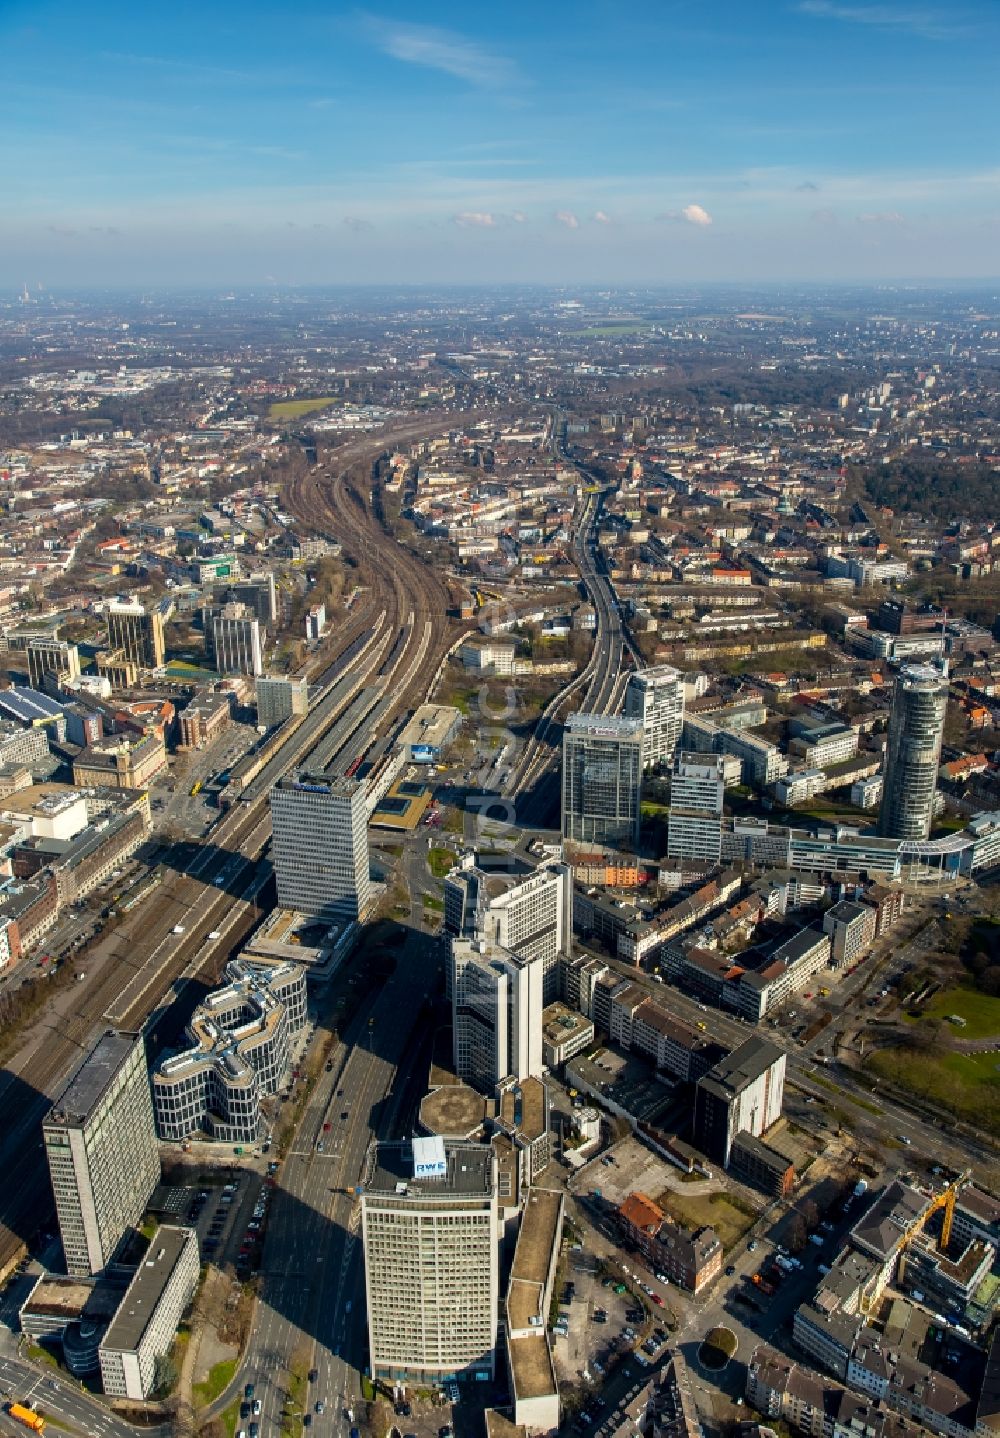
[178, 928]
[215, 934]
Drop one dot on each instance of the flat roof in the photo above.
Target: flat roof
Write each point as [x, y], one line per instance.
[144, 1293]
[531, 1366]
[469, 1172]
[87, 1086]
[745, 1064]
[537, 1237]
[455, 1110]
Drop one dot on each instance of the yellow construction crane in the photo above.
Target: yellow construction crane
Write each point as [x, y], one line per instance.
[945, 1199]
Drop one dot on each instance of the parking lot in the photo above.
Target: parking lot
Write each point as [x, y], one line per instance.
[229, 1219]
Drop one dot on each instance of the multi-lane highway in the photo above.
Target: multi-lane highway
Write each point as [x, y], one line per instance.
[310, 1313]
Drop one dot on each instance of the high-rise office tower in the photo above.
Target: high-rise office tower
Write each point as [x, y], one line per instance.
[913, 751]
[496, 1005]
[429, 1222]
[529, 912]
[101, 1147]
[51, 659]
[319, 845]
[656, 696]
[743, 1093]
[138, 634]
[602, 780]
[233, 639]
[694, 826]
[279, 697]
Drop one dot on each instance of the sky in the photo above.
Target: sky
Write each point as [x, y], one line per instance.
[590, 142]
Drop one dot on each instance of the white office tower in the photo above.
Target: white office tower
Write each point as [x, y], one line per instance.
[656, 697]
[913, 751]
[319, 845]
[602, 780]
[694, 827]
[233, 639]
[101, 1148]
[528, 911]
[429, 1224]
[497, 999]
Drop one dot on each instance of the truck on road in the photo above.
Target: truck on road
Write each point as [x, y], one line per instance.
[28, 1417]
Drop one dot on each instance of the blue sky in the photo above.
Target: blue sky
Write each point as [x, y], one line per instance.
[589, 141]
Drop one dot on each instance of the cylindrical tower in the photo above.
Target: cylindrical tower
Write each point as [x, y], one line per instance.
[913, 752]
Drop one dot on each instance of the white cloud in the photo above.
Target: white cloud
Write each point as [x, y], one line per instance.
[475, 220]
[881, 217]
[602, 218]
[444, 50]
[353, 222]
[690, 215]
[929, 24]
[567, 218]
[519, 217]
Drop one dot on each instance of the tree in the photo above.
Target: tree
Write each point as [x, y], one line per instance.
[796, 1234]
[164, 1375]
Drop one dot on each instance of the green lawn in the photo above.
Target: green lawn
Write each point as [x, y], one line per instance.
[612, 331]
[980, 1012]
[967, 1085]
[296, 408]
[716, 1209]
[440, 862]
[219, 1378]
[230, 1417]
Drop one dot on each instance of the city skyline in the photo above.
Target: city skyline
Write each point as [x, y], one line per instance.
[815, 140]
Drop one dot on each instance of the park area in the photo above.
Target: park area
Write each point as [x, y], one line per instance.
[296, 408]
[964, 1084]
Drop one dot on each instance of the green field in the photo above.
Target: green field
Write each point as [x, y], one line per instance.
[219, 1378]
[296, 408]
[715, 1209]
[612, 331]
[967, 1085]
[980, 1012]
[440, 862]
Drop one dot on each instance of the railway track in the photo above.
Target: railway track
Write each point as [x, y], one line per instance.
[403, 631]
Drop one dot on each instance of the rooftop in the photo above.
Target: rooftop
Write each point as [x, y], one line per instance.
[146, 1290]
[469, 1172]
[745, 1064]
[85, 1089]
[537, 1238]
[531, 1366]
[454, 1111]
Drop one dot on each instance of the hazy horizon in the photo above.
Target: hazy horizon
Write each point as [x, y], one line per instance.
[813, 141]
